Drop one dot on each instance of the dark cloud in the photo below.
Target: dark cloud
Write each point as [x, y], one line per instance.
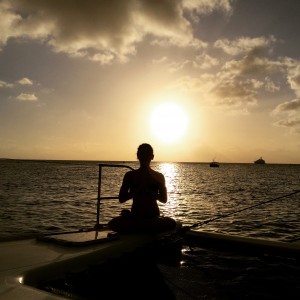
[289, 106]
[101, 30]
[235, 92]
[294, 78]
[292, 110]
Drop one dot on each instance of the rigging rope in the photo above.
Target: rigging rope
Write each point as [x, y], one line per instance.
[237, 211]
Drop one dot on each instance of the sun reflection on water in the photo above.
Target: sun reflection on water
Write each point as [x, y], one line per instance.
[171, 171]
[187, 194]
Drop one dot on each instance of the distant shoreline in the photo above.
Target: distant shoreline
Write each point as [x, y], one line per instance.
[133, 161]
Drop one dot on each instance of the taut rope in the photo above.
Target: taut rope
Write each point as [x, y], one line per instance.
[237, 211]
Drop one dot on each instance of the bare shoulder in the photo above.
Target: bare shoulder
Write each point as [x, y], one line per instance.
[130, 175]
[158, 176]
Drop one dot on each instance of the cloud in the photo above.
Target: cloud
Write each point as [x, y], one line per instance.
[22, 81]
[232, 97]
[205, 61]
[244, 44]
[201, 62]
[237, 82]
[103, 31]
[270, 86]
[208, 6]
[4, 84]
[294, 79]
[254, 64]
[288, 106]
[25, 88]
[25, 81]
[8, 21]
[242, 81]
[103, 58]
[292, 123]
[235, 92]
[289, 122]
[26, 97]
[292, 110]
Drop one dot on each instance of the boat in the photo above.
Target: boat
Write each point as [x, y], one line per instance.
[242, 244]
[260, 161]
[214, 164]
[54, 266]
[30, 267]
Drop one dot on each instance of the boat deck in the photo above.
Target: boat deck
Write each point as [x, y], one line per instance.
[28, 264]
[173, 265]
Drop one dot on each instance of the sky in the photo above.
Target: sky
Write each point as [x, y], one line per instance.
[197, 79]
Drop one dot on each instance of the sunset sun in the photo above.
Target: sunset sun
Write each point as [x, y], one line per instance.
[168, 122]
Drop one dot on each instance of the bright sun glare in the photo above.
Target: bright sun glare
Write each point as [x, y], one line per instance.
[168, 122]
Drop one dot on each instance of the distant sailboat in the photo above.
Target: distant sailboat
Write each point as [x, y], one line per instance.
[260, 161]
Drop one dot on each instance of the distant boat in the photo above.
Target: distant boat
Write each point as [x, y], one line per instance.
[214, 164]
[260, 161]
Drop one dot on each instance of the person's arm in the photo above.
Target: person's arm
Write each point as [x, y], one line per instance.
[125, 193]
[162, 190]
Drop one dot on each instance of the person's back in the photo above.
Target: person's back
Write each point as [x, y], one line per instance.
[144, 186]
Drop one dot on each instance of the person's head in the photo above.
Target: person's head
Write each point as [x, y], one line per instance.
[145, 153]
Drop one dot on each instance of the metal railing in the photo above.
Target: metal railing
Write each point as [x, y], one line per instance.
[99, 198]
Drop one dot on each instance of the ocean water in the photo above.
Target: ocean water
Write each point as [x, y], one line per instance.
[49, 196]
[248, 200]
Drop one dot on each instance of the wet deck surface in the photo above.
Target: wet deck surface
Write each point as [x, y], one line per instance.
[193, 273]
[212, 274]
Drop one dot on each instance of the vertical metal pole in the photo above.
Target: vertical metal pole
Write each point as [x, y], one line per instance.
[98, 198]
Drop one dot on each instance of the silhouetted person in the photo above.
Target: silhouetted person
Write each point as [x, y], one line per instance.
[144, 186]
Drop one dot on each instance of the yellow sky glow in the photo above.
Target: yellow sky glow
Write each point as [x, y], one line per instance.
[197, 80]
